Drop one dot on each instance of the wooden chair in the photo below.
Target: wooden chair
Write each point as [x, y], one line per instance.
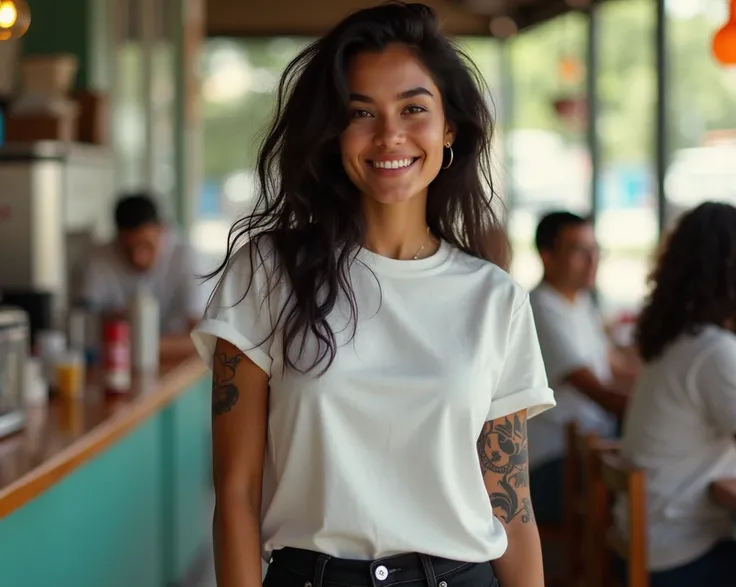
[613, 476]
[579, 452]
[558, 537]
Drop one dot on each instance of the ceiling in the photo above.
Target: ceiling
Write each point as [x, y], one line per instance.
[314, 17]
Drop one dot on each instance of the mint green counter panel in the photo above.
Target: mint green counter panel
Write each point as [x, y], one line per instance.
[187, 487]
[136, 515]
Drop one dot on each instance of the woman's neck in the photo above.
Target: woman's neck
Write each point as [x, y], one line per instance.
[399, 231]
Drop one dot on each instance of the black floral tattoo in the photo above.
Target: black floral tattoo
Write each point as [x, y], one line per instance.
[502, 450]
[225, 393]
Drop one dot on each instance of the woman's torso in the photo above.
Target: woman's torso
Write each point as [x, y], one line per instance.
[669, 432]
[378, 455]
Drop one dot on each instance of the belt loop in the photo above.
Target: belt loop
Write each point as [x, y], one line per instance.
[428, 570]
[319, 571]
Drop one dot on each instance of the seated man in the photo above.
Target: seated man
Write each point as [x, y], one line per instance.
[145, 251]
[581, 364]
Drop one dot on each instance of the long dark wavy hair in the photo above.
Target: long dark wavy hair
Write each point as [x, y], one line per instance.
[307, 205]
[694, 283]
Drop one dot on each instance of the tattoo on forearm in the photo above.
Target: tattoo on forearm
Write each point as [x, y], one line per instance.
[502, 450]
[225, 393]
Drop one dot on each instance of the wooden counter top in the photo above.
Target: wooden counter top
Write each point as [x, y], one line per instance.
[65, 434]
[723, 492]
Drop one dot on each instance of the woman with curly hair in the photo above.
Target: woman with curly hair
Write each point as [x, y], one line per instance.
[681, 422]
[374, 368]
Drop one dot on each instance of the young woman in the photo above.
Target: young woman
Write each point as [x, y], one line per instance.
[373, 371]
[681, 421]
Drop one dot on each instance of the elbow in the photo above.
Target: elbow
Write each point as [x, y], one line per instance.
[230, 497]
[230, 508]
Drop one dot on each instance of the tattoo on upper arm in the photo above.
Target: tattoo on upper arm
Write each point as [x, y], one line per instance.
[225, 393]
[502, 450]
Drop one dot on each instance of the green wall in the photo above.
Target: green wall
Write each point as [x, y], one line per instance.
[71, 26]
[136, 515]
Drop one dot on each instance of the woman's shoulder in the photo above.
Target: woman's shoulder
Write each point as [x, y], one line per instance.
[706, 348]
[716, 345]
[255, 256]
[494, 281]
[252, 269]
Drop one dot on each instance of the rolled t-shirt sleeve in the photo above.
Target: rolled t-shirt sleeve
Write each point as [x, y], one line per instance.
[240, 310]
[522, 384]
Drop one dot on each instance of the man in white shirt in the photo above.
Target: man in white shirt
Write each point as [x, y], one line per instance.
[145, 252]
[579, 360]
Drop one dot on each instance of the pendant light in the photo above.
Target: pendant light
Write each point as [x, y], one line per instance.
[15, 18]
[724, 42]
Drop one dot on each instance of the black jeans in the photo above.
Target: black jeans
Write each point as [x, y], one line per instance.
[292, 567]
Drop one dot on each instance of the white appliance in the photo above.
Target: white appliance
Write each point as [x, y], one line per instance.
[55, 198]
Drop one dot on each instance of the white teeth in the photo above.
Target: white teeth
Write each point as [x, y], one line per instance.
[395, 164]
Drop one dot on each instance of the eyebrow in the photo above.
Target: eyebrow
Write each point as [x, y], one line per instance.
[418, 91]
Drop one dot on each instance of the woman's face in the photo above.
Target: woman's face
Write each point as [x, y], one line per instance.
[393, 146]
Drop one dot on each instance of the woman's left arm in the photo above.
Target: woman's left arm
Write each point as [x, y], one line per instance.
[502, 450]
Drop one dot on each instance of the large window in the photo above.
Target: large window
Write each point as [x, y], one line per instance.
[239, 96]
[547, 155]
[627, 218]
[702, 116]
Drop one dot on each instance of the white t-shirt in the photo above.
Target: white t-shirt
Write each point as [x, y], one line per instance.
[378, 455]
[680, 428]
[571, 336]
[108, 282]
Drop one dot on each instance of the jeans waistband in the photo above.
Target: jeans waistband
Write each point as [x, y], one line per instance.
[317, 569]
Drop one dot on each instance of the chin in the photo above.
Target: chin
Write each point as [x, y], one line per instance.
[390, 198]
[394, 196]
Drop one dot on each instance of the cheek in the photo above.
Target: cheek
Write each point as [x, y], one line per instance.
[430, 138]
[353, 141]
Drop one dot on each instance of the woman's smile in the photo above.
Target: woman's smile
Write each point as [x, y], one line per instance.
[392, 166]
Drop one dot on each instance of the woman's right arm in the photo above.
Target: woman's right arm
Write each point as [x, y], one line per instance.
[239, 425]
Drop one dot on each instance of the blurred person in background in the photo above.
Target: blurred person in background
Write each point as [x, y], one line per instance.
[680, 426]
[145, 253]
[581, 362]
[373, 367]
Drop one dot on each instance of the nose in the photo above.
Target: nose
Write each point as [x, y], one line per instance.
[388, 132]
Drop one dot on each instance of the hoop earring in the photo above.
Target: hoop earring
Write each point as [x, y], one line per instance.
[452, 156]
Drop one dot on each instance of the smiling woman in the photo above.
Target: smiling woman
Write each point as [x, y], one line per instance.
[374, 367]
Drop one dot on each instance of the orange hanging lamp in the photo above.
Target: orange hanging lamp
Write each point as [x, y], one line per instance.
[724, 42]
[15, 18]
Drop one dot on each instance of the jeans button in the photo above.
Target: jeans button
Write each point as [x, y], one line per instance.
[442, 584]
[381, 573]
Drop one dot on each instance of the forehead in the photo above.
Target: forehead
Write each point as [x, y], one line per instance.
[581, 233]
[146, 232]
[388, 73]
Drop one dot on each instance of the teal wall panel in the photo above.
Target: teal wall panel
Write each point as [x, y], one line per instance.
[98, 527]
[187, 482]
[136, 515]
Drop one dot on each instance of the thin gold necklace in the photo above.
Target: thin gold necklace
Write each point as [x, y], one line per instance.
[429, 239]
